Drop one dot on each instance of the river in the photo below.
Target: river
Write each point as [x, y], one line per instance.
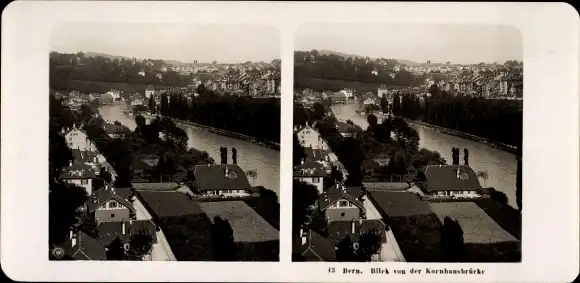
[500, 165]
[265, 161]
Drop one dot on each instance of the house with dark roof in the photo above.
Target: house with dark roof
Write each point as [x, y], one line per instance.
[451, 181]
[346, 130]
[340, 203]
[114, 131]
[79, 174]
[80, 246]
[309, 137]
[354, 229]
[124, 230]
[106, 205]
[311, 172]
[221, 181]
[311, 246]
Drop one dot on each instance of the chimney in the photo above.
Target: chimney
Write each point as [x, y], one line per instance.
[302, 236]
[70, 163]
[73, 238]
[353, 226]
[123, 227]
[227, 171]
[457, 173]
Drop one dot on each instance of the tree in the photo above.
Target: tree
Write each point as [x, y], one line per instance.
[303, 196]
[452, 240]
[152, 106]
[466, 156]
[345, 251]
[105, 176]
[234, 155]
[336, 174]
[372, 120]
[298, 153]
[224, 246]
[140, 245]
[499, 197]
[64, 202]
[252, 173]
[59, 154]
[369, 244]
[88, 226]
[140, 121]
[397, 165]
[483, 175]
[318, 111]
[115, 250]
[166, 166]
[384, 104]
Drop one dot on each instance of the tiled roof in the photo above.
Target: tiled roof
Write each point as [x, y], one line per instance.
[109, 231]
[83, 156]
[102, 196]
[333, 194]
[317, 248]
[309, 169]
[315, 154]
[78, 170]
[345, 127]
[338, 230]
[85, 248]
[451, 178]
[166, 186]
[386, 186]
[220, 176]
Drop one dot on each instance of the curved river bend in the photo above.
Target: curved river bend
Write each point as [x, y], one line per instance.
[500, 165]
[250, 156]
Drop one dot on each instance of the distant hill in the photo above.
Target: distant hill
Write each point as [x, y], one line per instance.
[112, 57]
[346, 55]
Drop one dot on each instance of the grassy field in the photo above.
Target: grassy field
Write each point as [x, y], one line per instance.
[478, 227]
[417, 226]
[248, 226]
[301, 83]
[506, 216]
[185, 225]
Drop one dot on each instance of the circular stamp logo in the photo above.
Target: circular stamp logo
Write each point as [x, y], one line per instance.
[58, 252]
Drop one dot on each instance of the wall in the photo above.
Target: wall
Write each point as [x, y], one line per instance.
[88, 186]
[335, 214]
[103, 213]
[319, 186]
[79, 140]
[310, 138]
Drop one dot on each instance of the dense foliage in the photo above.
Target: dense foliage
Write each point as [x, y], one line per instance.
[311, 64]
[255, 117]
[496, 120]
[65, 68]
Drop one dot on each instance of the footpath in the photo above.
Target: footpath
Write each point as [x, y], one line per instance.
[161, 250]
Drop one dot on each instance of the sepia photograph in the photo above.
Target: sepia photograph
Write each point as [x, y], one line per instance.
[164, 142]
[407, 143]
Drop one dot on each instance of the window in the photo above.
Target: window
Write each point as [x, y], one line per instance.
[112, 215]
[343, 203]
[113, 204]
[342, 214]
[315, 180]
[84, 182]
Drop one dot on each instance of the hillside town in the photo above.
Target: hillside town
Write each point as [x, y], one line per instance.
[377, 218]
[136, 221]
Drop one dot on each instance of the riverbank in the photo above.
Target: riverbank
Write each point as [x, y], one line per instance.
[505, 147]
[264, 143]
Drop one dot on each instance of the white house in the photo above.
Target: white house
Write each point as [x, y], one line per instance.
[150, 90]
[311, 172]
[309, 137]
[78, 139]
[115, 94]
[142, 73]
[348, 93]
[381, 91]
[79, 174]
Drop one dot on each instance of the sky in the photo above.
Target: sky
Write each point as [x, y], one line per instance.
[459, 44]
[224, 43]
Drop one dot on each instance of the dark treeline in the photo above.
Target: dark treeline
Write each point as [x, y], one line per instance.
[496, 120]
[255, 117]
[67, 67]
[311, 64]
